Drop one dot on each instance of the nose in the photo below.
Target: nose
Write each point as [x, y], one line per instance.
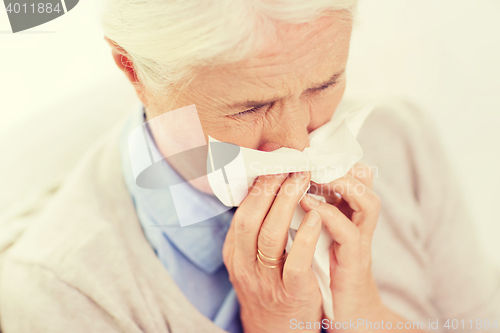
[287, 127]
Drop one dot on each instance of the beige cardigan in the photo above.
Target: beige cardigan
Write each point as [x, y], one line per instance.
[84, 265]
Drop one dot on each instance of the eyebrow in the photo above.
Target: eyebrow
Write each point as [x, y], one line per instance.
[261, 103]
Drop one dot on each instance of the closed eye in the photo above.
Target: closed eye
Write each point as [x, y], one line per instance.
[258, 108]
[250, 111]
[324, 87]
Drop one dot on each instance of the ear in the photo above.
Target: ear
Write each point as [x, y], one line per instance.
[125, 64]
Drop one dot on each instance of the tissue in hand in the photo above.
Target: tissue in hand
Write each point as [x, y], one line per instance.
[332, 153]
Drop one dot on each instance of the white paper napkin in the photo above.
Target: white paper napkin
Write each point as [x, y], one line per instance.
[332, 153]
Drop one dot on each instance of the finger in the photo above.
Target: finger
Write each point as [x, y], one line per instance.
[359, 171]
[345, 233]
[363, 205]
[248, 217]
[362, 200]
[327, 192]
[273, 233]
[297, 271]
[338, 225]
[356, 194]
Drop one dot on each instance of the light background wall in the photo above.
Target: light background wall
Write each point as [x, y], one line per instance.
[443, 54]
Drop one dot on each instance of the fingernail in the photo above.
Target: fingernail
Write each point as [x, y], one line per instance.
[311, 200]
[313, 218]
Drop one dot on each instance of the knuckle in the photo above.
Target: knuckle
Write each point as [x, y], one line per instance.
[268, 238]
[296, 272]
[240, 219]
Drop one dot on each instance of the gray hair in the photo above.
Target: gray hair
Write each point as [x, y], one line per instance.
[167, 39]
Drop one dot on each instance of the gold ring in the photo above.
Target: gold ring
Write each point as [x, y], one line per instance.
[268, 266]
[269, 258]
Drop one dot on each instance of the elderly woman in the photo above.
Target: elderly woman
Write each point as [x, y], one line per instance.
[107, 255]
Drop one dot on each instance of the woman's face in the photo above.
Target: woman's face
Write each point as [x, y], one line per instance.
[277, 98]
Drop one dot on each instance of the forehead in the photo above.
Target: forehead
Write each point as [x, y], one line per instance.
[298, 55]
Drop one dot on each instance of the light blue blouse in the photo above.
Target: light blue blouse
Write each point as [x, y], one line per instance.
[193, 254]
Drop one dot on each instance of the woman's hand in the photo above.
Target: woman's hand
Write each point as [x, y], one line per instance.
[274, 294]
[351, 221]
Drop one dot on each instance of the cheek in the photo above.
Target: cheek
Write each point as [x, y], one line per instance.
[243, 134]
